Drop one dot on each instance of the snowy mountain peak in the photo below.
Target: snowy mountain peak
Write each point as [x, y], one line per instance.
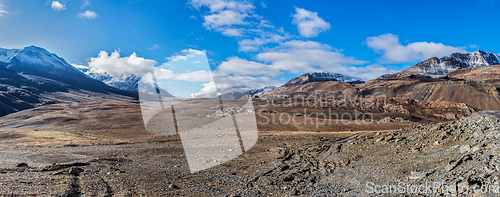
[443, 65]
[6, 54]
[259, 90]
[322, 76]
[33, 55]
[336, 77]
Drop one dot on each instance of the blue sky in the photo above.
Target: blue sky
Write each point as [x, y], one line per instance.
[255, 43]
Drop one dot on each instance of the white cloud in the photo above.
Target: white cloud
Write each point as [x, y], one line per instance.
[473, 46]
[394, 52]
[185, 54]
[219, 5]
[193, 17]
[199, 75]
[238, 19]
[120, 67]
[371, 71]
[87, 3]
[256, 34]
[224, 13]
[305, 45]
[264, 38]
[207, 89]
[224, 18]
[83, 67]
[265, 23]
[88, 14]
[57, 6]
[298, 57]
[230, 83]
[308, 23]
[2, 11]
[232, 32]
[155, 46]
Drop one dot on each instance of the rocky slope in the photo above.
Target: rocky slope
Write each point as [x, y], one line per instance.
[321, 77]
[434, 67]
[470, 78]
[477, 87]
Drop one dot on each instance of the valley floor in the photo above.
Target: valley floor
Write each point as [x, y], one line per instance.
[303, 163]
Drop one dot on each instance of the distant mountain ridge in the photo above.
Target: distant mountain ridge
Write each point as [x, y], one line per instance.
[321, 77]
[130, 83]
[472, 78]
[434, 67]
[259, 90]
[33, 58]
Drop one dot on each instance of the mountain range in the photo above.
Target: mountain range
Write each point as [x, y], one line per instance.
[472, 78]
[32, 76]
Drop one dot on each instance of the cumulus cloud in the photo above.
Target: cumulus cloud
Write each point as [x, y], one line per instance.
[308, 23]
[230, 83]
[238, 19]
[120, 67]
[57, 6]
[394, 52]
[88, 14]
[185, 54]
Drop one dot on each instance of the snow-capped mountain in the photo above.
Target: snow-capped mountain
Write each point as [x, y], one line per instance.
[336, 77]
[259, 90]
[384, 76]
[6, 54]
[32, 76]
[33, 59]
[130, 83]
[439, 66]
[322, 76]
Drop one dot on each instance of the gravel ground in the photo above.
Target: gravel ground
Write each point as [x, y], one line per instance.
[458, 153]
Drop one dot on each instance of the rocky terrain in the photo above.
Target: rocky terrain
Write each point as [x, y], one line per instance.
[435, 67]
[63, 153]
[418, 129]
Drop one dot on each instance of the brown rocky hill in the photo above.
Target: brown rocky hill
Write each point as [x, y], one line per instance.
[477, 87]
[435, 66]
[333, 87]
[471, 78]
